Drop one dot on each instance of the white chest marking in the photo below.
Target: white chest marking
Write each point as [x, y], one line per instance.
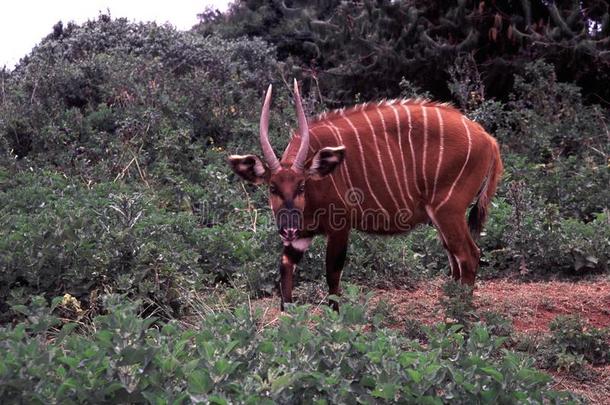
[301, 244]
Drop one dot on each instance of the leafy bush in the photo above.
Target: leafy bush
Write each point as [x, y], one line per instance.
[546, 119]
[574, 185]
[113, 99]
[329, 357]
[570, 335]
[530, 236]
[571, 346]
[60, 237]
[457, 303]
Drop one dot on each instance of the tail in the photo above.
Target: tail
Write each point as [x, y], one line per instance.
[478, 213]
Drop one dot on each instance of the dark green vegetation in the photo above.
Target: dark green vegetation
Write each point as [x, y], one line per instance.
[315, 359]
[113, 182]
[337, 43]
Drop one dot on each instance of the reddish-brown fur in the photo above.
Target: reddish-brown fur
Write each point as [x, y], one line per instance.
[382, 168]
[417, 192]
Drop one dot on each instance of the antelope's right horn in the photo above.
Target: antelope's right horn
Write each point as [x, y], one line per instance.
[268, 154]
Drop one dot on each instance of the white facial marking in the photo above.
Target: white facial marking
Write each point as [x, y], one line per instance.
[301, 244]
[334, 148]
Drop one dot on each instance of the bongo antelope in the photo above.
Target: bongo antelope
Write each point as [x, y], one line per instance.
[381, 168]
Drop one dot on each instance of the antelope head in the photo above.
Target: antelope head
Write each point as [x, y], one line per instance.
[287, 179]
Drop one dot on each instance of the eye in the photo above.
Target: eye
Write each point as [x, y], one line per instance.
[273, 189]
[301, 188]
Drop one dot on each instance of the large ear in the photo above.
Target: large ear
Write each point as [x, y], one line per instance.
[325, 161]
[250, 168]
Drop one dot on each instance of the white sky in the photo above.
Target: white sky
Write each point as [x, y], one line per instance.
[23, 23]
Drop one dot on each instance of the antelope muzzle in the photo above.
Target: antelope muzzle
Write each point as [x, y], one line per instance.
[288, 221]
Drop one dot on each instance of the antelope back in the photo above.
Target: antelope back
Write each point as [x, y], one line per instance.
[401, 156]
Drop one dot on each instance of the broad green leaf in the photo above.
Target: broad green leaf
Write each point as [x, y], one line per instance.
[215, 399]
[495, 374]
[199, 382]
[65, 331]
[415, 375]
[281, 382]
[406, 359]
[385, 391]
[266, 347]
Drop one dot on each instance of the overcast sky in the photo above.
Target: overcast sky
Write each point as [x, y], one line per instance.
[23, 23]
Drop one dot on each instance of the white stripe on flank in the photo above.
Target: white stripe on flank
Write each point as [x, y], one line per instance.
[441, 134]
[425, 151]
[364, 168]
[332, 179]
[383, 174]
[345, 167]
[406, 108]
[463, 166]
[387, 141]
[402, 153]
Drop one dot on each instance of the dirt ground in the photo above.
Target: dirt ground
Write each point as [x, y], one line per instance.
[531, 306]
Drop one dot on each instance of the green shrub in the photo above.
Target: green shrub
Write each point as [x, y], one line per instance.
[330, 357]
[574, 185]
[457, 302]
[570, 335]
[497, 323]
[113, 99]
[61, 237]
[545, 119]
[534, 239]
[572, 346]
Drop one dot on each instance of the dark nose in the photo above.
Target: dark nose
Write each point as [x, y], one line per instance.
[288, 234]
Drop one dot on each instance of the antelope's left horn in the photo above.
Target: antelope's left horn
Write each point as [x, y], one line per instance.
[299, 161]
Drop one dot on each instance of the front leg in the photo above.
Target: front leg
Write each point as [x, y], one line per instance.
[336, 251]
[291, 256]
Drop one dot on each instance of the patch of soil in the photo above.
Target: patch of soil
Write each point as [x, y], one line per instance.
[530, 306]
[595, 390]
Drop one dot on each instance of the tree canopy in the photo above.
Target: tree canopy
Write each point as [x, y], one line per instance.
[366, 47]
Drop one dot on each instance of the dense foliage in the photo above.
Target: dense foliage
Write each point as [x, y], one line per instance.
[326, 358]
[365, 47]
[113, 181]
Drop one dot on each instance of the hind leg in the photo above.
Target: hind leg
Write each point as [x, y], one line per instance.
[454, 269]
[463, 252]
